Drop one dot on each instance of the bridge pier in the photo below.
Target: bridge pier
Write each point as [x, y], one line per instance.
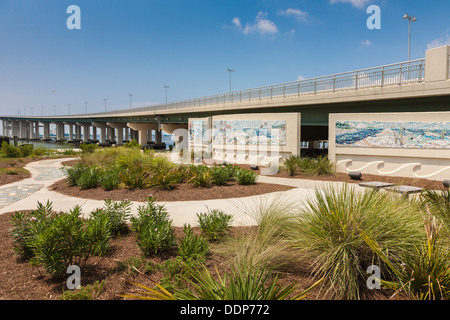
[46, 131]
[70, 125]
[119, 127]
[86, 131]
[142, 130]
[102, 127]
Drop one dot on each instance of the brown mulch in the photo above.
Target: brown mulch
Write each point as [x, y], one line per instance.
[342, 177]
[14, 163]
[182, 192]
[22, 281]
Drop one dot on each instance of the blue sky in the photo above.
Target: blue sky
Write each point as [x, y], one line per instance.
[139, 46]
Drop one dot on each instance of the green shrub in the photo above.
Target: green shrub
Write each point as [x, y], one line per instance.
[132, 144]
[69, 240]
[109, 179]
[154, 230]
[88, 292]
[88, 148]
[192, 246]
[89, 179]
[200, 176]
[26, 226]
[330, 227]
[134, 177]
[214, 223]
[26, 150]
[117, 215]
[245, 177]
[220, 176]
[166, 180]
[73, 173]
[10, 151]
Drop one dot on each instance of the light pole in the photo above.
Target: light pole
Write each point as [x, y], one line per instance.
[42, 110]
[166, 87]
[68, 108]
[54, 110]
[411, 19]
[230, 71]
[105, 104]
[85, 105]
[131, 95]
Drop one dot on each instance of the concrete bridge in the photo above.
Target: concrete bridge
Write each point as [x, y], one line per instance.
[414, 86]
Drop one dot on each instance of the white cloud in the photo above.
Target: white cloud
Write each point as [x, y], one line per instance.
[237, 23]
[365, 43]
[300, 78]
[356, 3]
[262, 25]
[439, 42]
[296, 13]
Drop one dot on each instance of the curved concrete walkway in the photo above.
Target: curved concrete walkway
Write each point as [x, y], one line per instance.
[25, 194]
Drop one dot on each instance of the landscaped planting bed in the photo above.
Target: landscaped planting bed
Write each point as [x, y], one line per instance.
[329, 241]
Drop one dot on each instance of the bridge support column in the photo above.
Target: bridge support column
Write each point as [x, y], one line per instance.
[119, 126]
[70, 132]
[86, 131]
[46, 131]
[142, 129]
[94, 133]
[102, 127]
[77, 132]
[36, 130]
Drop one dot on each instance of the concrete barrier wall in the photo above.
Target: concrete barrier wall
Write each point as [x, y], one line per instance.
[413, 145]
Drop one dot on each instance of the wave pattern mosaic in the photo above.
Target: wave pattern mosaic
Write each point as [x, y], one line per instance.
[249, 132]
[382, 134]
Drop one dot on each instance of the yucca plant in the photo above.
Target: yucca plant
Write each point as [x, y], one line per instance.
[243, 282]
[330, 227]
[423, 274]
[318, 167]
[438, 203]
[292, 165]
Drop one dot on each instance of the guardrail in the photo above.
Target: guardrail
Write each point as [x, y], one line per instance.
[387, 75]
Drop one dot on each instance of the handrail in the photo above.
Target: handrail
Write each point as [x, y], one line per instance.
[390, 74]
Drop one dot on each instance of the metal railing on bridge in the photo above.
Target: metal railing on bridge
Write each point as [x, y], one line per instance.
[388, 75]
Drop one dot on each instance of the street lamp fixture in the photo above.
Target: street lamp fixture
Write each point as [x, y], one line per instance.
[105, 103]
[411, 19]
[130, 98]
[166, 87]
[230, 71]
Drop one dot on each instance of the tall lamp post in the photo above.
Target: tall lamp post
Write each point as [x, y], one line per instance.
[130, 98]
[411, 19]
[85, 106]
[166, 87]
[105, 103]
[230, 71]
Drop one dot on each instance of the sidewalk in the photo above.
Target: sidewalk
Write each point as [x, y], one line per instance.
[25, 194]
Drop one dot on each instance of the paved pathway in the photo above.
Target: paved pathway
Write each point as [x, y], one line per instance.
[25, 194]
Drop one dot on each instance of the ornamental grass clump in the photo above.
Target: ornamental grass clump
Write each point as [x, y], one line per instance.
[423, 274]
[329, 231]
